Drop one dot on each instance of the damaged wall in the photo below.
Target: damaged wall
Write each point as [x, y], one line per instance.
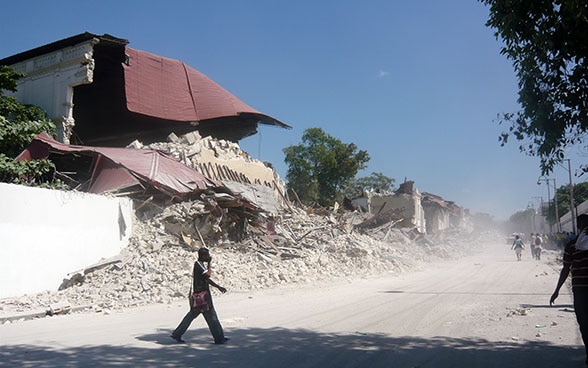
[46, 234]
[437, 218]
[438, 212]
[406, 202]
[50, 80]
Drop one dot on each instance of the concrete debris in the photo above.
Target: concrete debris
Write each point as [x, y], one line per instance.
[224, 161]
[62, 307]
[258, 239]
[249, 252]
[518, 312]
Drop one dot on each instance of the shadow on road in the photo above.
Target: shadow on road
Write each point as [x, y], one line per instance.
[568, 308]
[460, 293]
[281, 348]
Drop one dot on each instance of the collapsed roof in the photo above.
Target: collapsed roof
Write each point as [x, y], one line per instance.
[130, 94]
[104, 169]
[435, 200]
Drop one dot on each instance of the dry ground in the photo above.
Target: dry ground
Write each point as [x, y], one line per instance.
[484, 310]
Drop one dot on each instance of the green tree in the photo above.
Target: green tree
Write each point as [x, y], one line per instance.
[547, 41]
[19, 124]
[522, 221]
[563, 200]
[376, 181]
[320, 166]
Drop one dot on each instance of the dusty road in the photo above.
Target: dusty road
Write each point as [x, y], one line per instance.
[485, 310]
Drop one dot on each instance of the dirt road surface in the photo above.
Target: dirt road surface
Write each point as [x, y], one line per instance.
[484, 310]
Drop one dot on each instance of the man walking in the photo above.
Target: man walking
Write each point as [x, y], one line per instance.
[201, 282]
[575, 259]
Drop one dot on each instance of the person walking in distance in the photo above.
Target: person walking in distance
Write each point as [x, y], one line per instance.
[201, 281]
[518, 246]
[575, 260]
[538, 249]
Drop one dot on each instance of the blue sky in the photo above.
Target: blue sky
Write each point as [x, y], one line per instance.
[417, 84]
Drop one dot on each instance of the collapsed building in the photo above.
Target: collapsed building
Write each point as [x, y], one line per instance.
[116, 107]
[100, 92]
[110, 100]
[441, 215]
[425, 212]
[138, 125]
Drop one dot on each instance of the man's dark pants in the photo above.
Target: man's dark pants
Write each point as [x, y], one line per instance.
[211, 319]
[581, 309]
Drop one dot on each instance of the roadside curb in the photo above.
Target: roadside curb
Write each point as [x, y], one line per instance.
[51, 311]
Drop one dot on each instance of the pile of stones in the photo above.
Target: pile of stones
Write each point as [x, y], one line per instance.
[252, 248]
[299, 247]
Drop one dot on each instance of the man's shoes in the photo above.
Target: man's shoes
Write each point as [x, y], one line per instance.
[178, 339]
[222, 341]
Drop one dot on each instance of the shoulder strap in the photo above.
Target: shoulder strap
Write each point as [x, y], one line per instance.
[202, 268]
[192, 281]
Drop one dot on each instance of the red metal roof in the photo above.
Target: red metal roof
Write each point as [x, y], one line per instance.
[169, 89]
[118, 168]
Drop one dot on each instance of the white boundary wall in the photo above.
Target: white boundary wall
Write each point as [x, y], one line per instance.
[566, 220]
[47, 234]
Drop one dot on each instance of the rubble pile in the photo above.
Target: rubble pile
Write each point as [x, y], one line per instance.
[218, 159]
[258, 239]
[188, 148]
[300, 247]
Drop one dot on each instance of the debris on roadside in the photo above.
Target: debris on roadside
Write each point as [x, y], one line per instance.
[259, 240]
[249, 253]
[518, 312]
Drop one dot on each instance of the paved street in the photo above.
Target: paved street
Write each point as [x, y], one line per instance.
[485, 310]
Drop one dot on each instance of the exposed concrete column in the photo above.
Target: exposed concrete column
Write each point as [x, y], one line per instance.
[49, 81]
[65, 126]
[419, 213]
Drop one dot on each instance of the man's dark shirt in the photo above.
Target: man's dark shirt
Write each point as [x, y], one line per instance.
[200, 279]
[578, 262]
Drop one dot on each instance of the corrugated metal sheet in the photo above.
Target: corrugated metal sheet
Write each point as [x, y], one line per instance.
[117, 168]
[169, 89]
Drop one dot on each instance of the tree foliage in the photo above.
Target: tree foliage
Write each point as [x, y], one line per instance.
[522, 221]
[376, 181]
[547, 41]
[563, 200]
[8, 78]
[321, 165]
[19, 124]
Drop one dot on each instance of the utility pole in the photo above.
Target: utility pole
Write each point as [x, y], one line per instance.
[542, 215]
[531, 206]
[546, 180]
[572, 205]
[556, 206]
[548, 201]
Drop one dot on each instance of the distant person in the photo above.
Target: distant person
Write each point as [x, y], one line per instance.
[532, 238]
[547, 241]
[518, 246]
[201, 282]
[537, 249]
[575, 259]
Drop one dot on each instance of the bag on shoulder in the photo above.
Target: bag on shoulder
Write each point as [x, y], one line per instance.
[537, 241]
[198, 301]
